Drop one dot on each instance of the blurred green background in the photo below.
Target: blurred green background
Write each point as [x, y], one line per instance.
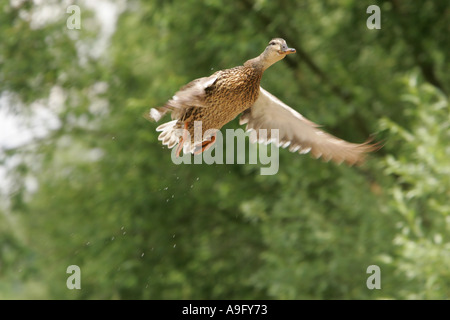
[99, 191]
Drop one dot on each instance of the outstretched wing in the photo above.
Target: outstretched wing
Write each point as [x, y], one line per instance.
[191, 95]
[297, 132]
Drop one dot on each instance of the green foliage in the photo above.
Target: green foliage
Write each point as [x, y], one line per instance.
[422, 191]
[110, 200]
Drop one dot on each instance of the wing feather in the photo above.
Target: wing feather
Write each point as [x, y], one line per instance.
[190, 95]
[300, 134]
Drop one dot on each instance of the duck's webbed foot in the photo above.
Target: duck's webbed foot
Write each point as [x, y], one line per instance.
[182, 139]
[205, 145]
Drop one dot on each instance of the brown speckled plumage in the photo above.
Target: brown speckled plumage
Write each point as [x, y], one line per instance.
[234, 91]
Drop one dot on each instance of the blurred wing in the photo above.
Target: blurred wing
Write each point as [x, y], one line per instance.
[297, 132]
[191, 95]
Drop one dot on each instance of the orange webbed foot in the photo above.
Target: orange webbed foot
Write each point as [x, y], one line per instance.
[205, 145]
[182, 139]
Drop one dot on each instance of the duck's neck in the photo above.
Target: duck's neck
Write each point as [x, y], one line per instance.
[262, 62]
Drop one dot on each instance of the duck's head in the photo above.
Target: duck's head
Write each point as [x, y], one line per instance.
[278, 48]
[275, 51]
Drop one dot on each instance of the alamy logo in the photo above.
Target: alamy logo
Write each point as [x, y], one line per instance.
[74, 21]
[373, 22]
[74, 280]
[235, 150]
[374, 280]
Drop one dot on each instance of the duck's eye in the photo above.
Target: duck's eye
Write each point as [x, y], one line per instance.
[272, 43]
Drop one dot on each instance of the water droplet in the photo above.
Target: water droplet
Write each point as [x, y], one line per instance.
[192, 186]
[112, 238]
[142, 254]
[166, 188]
[173, 236]
[197, 178]
[174, 245]
[124, 233]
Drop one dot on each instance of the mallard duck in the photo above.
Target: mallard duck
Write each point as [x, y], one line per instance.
[219, 98]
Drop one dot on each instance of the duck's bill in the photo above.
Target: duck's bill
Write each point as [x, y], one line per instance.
[288, 51]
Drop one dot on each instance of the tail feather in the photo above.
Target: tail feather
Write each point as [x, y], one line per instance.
[170, 136]
[156, 114]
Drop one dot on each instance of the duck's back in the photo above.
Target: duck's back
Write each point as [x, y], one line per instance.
[234, 91]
